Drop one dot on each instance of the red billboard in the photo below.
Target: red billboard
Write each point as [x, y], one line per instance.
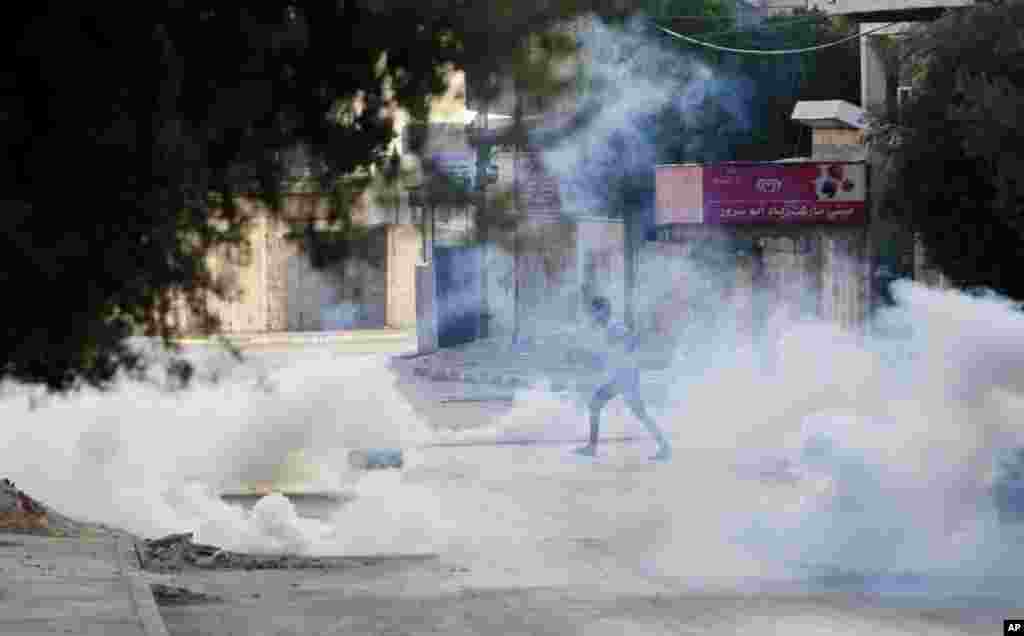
[749, 193]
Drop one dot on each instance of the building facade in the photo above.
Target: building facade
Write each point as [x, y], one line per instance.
[272, 285]
[271, 281]
[789, 239]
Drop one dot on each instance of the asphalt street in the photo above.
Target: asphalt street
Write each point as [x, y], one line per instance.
[532, 540]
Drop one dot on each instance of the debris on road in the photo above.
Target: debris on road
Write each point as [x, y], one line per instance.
[177, 552]
[170, 595]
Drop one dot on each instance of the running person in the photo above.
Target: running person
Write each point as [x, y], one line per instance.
[624, 380]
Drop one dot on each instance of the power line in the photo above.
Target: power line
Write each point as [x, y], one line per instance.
[766, 24]
[805, 49]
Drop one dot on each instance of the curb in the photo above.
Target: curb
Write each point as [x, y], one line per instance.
[551, 382]
[504, 379]
[451, 374]
[142, 594]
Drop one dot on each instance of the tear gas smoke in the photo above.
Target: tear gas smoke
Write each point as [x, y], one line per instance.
[883, 450]
[891, 461]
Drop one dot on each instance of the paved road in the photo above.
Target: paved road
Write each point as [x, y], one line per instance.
[532, 540]
[78, 586]
[433, 599]
[541, 544]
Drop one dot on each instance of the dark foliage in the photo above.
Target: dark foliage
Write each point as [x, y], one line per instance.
[128, 128]
[954, 154]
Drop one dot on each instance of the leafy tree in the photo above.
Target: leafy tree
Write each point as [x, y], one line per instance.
[129, 130]
[780, 81]
[953, 156]
[775, 82]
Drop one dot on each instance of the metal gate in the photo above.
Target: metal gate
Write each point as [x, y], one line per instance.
[457, 272]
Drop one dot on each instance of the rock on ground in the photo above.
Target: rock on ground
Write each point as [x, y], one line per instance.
[173, 595]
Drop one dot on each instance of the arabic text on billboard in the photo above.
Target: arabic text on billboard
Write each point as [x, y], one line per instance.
[819, 192]
[734, 194]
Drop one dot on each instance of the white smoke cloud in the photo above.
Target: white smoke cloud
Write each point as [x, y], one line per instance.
[152, 461]
[891, 460]
[633, 78]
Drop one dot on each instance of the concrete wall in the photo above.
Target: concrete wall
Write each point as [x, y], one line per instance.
[664, 286]
[548, 293]
[403, 253]
[243, 271]
[846, 290]
[835, 137]
[500, 287]
[792, 269]
[348, 295]
[799, 273]
[278, 250]
[274, 287]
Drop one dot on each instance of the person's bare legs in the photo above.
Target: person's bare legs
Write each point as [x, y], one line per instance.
[597, 404]
[636, 404]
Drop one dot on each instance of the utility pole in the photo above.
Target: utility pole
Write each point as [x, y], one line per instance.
[631, 236]
[518, 211]
[629, 260]
[483, 152]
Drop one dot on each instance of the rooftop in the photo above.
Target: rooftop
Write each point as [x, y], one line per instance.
[831, 113]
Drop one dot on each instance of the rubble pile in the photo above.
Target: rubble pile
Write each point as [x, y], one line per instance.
[171, 595]
[18, 511]
[177, 552]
